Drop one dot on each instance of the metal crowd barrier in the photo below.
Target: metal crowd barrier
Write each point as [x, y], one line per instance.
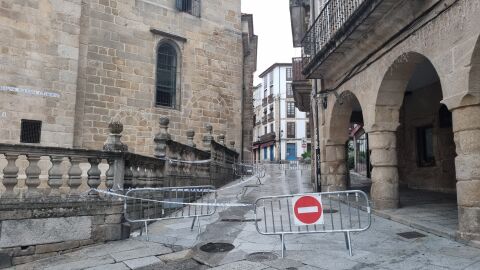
[341, 213]
[249, 169]
[294, 165]
[155, 204]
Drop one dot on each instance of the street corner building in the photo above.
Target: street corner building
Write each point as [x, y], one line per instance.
[397, 83]
[69, 68]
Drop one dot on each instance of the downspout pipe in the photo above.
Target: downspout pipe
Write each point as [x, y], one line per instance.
[317, 152]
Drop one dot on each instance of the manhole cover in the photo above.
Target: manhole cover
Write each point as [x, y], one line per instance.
[217, 247]
[261, 257]
[329, 211]
[411, 235]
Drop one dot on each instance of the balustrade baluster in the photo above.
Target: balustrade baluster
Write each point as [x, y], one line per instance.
[33, 176]
[135, 177]
[94, 175]
[142, 175]
[55, 176]
[110, 173]
[74, 176]
[150, 175]
[159, 176]
[128, 182]
[10, 175]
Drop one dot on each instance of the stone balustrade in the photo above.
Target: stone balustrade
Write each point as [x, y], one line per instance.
[49, 187]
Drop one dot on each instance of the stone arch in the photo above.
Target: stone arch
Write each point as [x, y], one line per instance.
[473, 95]
[392, 89]
[338, 125]
[345, 104]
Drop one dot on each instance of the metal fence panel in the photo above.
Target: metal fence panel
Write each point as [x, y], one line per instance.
[342, 212]
[155, 204]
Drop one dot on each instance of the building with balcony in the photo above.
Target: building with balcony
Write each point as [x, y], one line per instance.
[282, 132]
[406, 76]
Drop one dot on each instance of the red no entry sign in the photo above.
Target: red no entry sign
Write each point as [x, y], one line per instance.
[307, 210]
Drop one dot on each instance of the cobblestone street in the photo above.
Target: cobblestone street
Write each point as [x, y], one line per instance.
[173, 245]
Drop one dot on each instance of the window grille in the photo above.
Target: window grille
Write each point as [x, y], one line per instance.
[291, 130]
[289, 90]
[291, 109]
[192, 7]
[30, 131]
[289, 74]
[166, 76]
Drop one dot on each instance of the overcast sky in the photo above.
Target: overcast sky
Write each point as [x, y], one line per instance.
[271, 22]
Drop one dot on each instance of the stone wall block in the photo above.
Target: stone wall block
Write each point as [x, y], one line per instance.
[48, 248]
[468, 193]
[467, 167]
[113, 232]
[384, 157]
[466, 118]
[382, 140]
[468, 141]
[469, 222]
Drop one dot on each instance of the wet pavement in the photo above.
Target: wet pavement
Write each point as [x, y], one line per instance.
[173, 245]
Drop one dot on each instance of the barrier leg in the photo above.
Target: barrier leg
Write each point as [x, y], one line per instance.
[193, 223]
[348, 242]
[199, 226]
[146, 230]
[282, 238]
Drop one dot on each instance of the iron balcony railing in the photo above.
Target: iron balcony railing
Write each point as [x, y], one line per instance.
[335, 15]
[270, 98]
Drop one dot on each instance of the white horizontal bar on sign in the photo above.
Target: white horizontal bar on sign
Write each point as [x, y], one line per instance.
[309, 209]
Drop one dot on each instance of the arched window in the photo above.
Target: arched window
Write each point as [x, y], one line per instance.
[166, 76]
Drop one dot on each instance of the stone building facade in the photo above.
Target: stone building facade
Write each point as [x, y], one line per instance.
[77, 65]
[409, 72]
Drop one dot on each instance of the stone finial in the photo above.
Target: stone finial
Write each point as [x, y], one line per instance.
[190, 135]
[161, 138]
[221, 139]
[208, 138]
[232, 144]
[113, 143]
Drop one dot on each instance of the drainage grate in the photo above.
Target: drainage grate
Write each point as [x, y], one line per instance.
[329, 211]
[411, 235]
[217, 247]
[240, 219]
[261, 257]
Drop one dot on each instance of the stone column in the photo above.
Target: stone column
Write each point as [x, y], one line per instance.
[466, 128]
[335, 168]
[384, 192]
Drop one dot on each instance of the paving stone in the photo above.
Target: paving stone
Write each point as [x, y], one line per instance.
[241, 265]
[145, 263]
[115, 266]
[82, 264]
[176, 256]
[139, 253]
[283, 263]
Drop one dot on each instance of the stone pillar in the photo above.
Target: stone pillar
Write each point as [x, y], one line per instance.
[208, 138]
[161, 138]
[190, 135]
[335, 168]
[384, 192]
[116, 171]
[466, 128]
[221, 139]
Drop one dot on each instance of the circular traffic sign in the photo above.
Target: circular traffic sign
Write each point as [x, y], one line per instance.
[308, 210]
